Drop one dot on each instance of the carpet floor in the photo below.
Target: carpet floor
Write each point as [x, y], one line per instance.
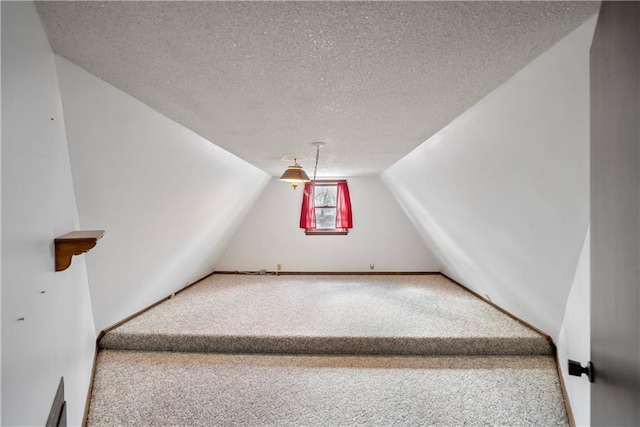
[164, 388]
[383, 315]
[250, 350]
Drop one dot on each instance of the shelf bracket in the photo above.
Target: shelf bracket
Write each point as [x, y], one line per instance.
[74, 243]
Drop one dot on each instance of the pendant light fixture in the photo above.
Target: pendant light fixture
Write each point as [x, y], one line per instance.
[295, 174]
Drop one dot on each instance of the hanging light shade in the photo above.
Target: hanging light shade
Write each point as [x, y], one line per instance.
[295, 174]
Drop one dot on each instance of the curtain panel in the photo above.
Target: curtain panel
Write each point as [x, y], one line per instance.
[343, 206]
[308, 211]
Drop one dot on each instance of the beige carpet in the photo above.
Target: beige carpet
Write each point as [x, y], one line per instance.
[384, 315]
[161, 388]
[354, 350]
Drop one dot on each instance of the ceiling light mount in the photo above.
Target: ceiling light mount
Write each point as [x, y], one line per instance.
[294, 157]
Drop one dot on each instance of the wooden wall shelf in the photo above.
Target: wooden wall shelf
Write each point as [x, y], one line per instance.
[74, 243]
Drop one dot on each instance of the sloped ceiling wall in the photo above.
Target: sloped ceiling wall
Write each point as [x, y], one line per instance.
[168, 199]
[501, 194]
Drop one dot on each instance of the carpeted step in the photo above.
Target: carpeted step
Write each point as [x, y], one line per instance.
[170, 388]
[329, 345]
[377, 315]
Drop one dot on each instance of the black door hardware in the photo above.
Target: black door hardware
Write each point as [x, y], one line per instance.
[575, 368]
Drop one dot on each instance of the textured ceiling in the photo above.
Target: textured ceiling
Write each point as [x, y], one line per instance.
[265, 79]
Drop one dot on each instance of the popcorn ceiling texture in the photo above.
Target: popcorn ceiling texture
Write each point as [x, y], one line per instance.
[265, 79]
[140, 384]
[416, 314]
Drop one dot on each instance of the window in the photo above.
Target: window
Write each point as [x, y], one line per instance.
[324, 197]
[326, 208]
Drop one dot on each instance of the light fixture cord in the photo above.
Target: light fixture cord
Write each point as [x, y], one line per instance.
[315, 169]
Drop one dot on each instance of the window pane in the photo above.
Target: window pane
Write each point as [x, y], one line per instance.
[325, 218]
[325, 195]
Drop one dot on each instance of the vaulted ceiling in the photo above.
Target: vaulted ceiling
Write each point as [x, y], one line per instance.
[265, 79]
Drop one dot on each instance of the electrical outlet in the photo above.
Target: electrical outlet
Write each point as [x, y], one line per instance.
[279, 267]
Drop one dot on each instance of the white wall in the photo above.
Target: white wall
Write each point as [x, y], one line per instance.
[0, 232]
[168, 199]
[382, 234]
[57, 336]
[574, 341]
[501, 193]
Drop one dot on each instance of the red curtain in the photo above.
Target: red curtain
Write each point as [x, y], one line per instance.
[308, 212]
[343, 207]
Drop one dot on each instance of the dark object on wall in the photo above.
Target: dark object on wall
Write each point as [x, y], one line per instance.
[576, 369]
[74, 243]
[58, 412]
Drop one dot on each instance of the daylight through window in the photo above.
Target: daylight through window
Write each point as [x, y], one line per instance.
[324, 197]
[326, 208]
